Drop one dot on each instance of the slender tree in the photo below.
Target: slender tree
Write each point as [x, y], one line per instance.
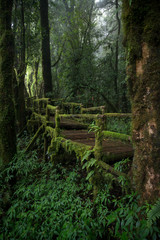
[46, 59]
[7, 114]
[141, 20]
[20, 62]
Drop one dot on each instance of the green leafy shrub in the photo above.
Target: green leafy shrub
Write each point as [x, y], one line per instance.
[120, 125]
[57, 203]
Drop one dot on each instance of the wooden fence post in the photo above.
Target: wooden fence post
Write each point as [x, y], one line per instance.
[57, 124]
[47, 114]
[99, 137]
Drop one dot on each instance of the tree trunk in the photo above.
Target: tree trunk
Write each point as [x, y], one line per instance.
[36, 66]
[116, 65]
[7, 114]
[46, 59]
[21, 71]
[142, 30]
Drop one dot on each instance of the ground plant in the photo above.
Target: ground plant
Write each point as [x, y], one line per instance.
[56, 202]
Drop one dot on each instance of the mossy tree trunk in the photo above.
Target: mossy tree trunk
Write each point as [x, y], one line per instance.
[141, 22]
[7, 115]
[46, 59]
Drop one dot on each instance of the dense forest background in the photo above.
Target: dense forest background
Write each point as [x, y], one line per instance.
[87, 58]
[92, 53]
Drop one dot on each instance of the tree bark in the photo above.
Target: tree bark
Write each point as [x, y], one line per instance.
[46, 59]
[141, 22]
[7, 114]
[116, 65]
[20, 65]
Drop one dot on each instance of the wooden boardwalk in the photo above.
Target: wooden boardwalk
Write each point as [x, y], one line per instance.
[113, 149]
[71, 126]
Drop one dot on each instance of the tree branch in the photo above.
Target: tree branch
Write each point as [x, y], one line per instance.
[59, 57]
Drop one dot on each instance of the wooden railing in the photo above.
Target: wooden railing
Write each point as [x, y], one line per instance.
[47, 118]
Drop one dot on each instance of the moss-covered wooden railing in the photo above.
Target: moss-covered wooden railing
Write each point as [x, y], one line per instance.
[47, 119]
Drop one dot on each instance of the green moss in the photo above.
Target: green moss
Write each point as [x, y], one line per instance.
[69, 146]
[71, 104]
[50, 131]
[42, 100]
[52, 108]
[114, 135]
[39, 117]
[93, 109]
[82, 116]
[57, 124]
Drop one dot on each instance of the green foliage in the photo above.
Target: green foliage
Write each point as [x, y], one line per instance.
[123, 165]
[154, 213]
[93, 127]
[57, 203]
[121, 125]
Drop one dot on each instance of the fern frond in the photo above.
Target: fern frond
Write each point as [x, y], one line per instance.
[154, 213]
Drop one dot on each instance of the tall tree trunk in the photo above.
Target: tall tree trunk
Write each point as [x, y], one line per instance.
[7, 114]
[117, 54]
[20, 64]
[21, 75]
[36, 66]
[46, 59]
[141, 22]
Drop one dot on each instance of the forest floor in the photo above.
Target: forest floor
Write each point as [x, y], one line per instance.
[41, 200]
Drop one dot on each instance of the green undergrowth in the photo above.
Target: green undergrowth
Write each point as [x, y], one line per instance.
[40, 201]
[120, 125]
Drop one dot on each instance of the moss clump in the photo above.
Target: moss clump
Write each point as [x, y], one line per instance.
[52, 108]
[82, 116]
[114, 135]
[95, 110]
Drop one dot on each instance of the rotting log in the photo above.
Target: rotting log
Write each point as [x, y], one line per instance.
[39, 131]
